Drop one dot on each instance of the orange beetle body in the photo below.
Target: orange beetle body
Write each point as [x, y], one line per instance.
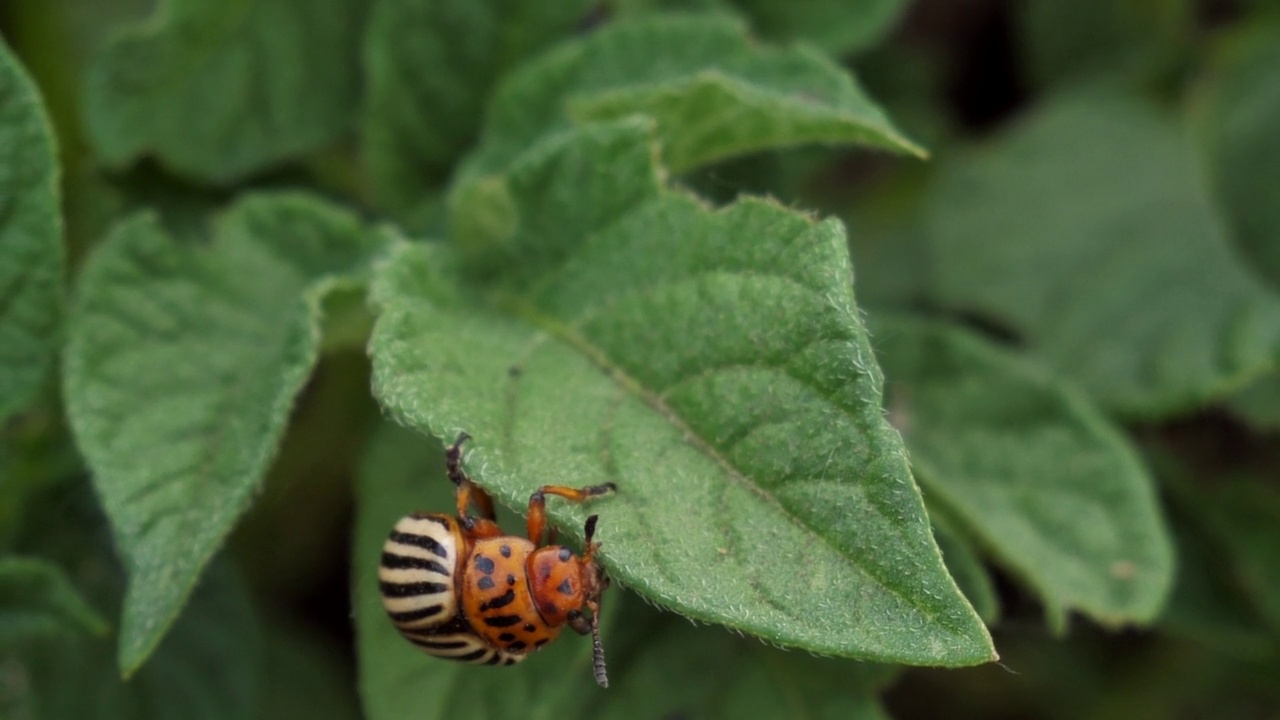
[461, 589]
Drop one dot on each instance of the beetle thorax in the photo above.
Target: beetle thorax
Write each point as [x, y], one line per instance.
[561, 583]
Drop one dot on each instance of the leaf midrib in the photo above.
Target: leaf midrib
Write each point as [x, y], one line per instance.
[524, 310]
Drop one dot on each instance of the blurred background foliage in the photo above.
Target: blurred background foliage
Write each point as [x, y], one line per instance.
[1007, 96]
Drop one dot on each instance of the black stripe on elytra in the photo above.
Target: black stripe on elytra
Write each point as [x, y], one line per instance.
[426, 542]
[474, 655]
[404, 590]
[412, 615]
[506, 637]
[393, 561]
[437, 644]
[432, 517]
[502, 620]
[484, 564]
[517, 646]
[501, 601]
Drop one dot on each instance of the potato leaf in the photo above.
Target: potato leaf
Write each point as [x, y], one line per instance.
[1088, 232]
[714, 366]
[713, 92]
[835, 26]
[217, 90]
[430, 65]
[1242, 112]
[37, 599]
[181, 371]
[1040, 477]
[31, 252]
[650, 654]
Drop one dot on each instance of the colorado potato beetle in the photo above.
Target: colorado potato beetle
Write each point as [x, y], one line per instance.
[461, 589]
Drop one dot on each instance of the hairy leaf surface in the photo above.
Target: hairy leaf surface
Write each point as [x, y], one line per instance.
[181, 371]
[430, 65]
[1031, 468]
[964, 564]
[736, 677]
[713, 365]
[651, 656]
[31, 252]
[713, 92]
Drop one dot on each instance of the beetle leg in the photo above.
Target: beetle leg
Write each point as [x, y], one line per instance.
[480, 528]
[538, 504]
[468, 493]
[483, 503]
[590, 531]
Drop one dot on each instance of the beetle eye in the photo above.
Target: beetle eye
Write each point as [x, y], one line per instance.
[578, 622]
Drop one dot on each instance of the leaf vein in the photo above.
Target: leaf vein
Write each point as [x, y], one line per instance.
[577, 342]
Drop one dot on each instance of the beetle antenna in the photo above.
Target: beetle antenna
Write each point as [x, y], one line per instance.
[597, 649]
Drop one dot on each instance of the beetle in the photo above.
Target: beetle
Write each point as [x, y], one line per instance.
[460, 588]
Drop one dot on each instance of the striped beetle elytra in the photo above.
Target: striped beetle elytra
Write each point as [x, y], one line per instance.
[460, 588]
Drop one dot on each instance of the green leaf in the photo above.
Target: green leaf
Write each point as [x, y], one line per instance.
[218, 90]
[1245, 515]
[304, 676]
[712, 364]
[430, 66]
[1086, 230]
[1242, 114]
[1033, 470]
[736, 678]
[207, 669]
[964, 564]
[1207, 603]
[651, 656]
[1062, 40]
[37, 599]
[889, 252]
[31, 253]
[713, 92]
[37, 452]
[182, 365]
[835, 26]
